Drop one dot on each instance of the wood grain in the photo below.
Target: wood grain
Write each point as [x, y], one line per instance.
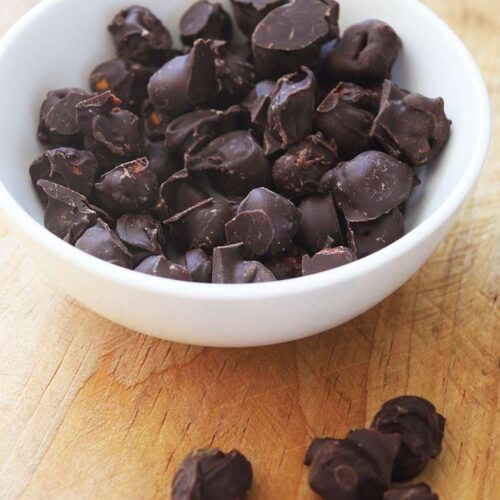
[90, 410]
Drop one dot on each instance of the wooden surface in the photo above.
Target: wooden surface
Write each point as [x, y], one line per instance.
[89, 410]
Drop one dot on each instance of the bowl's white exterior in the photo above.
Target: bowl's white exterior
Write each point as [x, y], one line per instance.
[58, 43]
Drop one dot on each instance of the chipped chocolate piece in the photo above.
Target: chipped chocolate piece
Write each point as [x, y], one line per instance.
[212, 475]
[411, 127]
[319, 225]
[292, 35]
[205, 20]
[254, 228]
[140, 36]
[286, 266]
[153, 122]
[249, 13]
[161, 162]
[130, 187]
[299, 172]
[365, 54]
[159, 209]
[76, 170]
[103, 243]
[230, 266]
[369, 186]
[347, 125]
[369, 237]
[257, 102]
[198, 265]
[421, 429]
[159, 265]
[59, 124]
[421, 491]
[360, 97]
[234, 163]
[326, 259]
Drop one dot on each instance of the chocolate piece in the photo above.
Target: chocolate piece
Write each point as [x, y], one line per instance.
[230, 266]
[131, 187]
[360, 97]
[411, 127]
[159, 209]
[200, 226]
[358, 467]
[127, 80]
[154, 123]
[58, 118]
[140, 36]
[315, 445]
[286, 266]
[205, 20]
[266, 222]
[369, 186]
[324, 260]
[212, 475]
[319, 225]
[421, 491]
[249, 13]
[257, 102]
[111, 133]
[369, 237]
[198, 265]
[161, 162]
[421, 429]
[159, 265]
[234, 163]
[347, 125]
[299, 172]
[76, 170]
[103, 243]
[291, 110]
[365, 54]
[291, 36]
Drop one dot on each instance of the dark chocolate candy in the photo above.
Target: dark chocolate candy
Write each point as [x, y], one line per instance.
[411, 127]
[360, 97]
[161, 162]
[369, 237]
[292, 35]
[365, 54]
[234, 163]
[266, 222]
[369, 186]
[257, 102]
[140, 36]
[298, 172]
[230, 266]
[131, 187]
[198, 265]
[421, 429]
[205, 20]
[212, 475]
[347, 125]
[59, 124]
[112, 134]
[249, 13]
[421, 491]
[319, 225]
[286, 265]
[153, 122]
[291, 111]
[159, 265]
[314, 446]
[76, 170]
[326, 259]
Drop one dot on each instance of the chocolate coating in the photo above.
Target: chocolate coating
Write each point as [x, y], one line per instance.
[421, 429]
[291, 36]
[326, 259]
[212, 475]
[287, 265]
[257, 102]
[159, 265]
[365, 54]
[161, 162]
[249, 13]
[198, 265]
[205, 20]
[153, 122]
[421, 491]
[360, 97]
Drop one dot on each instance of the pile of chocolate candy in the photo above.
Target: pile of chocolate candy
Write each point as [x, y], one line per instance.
[405, 434]
[286, 155]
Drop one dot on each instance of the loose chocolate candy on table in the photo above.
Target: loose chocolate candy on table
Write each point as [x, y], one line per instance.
[291, 111]
[369, 237]
[159, 265]
[161, 162]
[76, 170]
[198, 265]
[365, 54]
[130, 187]
[154, 123]
[370, 185]
[411, 127]
[287, 265]
[230, 266]
[205, 20]
[316, 444]
[212, 475]
[257, 102]
[59, 124]
[360, 97]
[347, 125]
[421, 429]
[249, 13]
[140, 36]
[102, 242]
[421, 491]
[298, 172]
[234, 163]
[292, 35]
[326, 259]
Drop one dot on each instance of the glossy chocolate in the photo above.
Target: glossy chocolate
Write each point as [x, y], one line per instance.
[421, 491]
[159, 265]
[249, 13]
[161, 161]
[326, 259]
[205, 19]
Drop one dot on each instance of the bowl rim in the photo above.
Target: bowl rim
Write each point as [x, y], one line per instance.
[21, 221]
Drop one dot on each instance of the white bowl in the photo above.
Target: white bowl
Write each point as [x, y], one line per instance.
[60, 41]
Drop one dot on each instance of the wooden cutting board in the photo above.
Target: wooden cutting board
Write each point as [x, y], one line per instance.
[91, 410]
